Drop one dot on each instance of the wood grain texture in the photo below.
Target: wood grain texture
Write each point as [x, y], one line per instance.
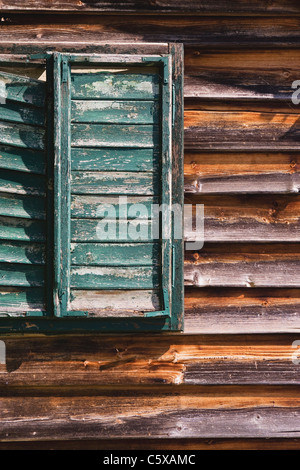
[212, 130]
[202, 31]
[98, 360]
[163, 6]
[242, 265]
[252, 172]
[134, 415]
[248, 218]
[157, 444]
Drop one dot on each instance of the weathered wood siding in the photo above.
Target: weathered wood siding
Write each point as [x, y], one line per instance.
[231, 374]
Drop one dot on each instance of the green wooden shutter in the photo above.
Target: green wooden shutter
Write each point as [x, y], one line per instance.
[22, 191]
[113, 119]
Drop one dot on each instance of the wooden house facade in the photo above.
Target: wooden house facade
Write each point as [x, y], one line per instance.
[230, 378]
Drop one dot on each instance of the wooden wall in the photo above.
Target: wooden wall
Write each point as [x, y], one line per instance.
[229, 378]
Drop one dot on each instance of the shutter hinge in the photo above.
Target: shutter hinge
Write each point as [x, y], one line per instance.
[173, 104]
[65, 70]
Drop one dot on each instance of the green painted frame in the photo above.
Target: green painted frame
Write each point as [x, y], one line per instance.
[171, 318]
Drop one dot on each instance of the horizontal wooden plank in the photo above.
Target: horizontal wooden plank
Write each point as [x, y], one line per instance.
[115, 112]
[22, 252]
[22, 135]
[255, 75]
[166, 6]
[89, 207]
[16, 112]
[29, 161]
[242, 265]
[116, 254]
[125, 360]
[121, 159]
[121, 183]
[22, 89]
[248, 218]
[241, 131]
[136, 415]
[114, 135]
[93, 230]
[92, 277]
[21, 183]
[226, 310]
[156, 444]
[27, 207]
[12, 228]
[203, 31]
[240, 172]
[115, 303]
[16, 301]
[21, 275]
[126, 86]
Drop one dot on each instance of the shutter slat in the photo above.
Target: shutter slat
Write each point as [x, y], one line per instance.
[22, 89]
[21, 275]
[18, 112]
[92, 277]
[90, 230]
[117, 254]
[115, 86]
[115, 183]
[16, 301]
[29, 161]
[89, 206]
[26, 253]
[120, 159]
[22, 183]
[27, 207]
[114, 135]
[22, 135]
[121, 112]
[102, 303]
[12, 228]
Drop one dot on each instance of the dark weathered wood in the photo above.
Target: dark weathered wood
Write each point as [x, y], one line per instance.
[243, 265]
[209, 173]
[248, 218]
[206, 412]
[202, 31]
[163, 6]
[156, 444]
[96, 360]
[12, 228]
[225, 310]
[208, 130]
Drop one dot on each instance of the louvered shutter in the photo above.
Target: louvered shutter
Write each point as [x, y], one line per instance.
[22, 191]
[114, 119]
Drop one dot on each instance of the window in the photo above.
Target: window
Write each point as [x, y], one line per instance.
[91, 190]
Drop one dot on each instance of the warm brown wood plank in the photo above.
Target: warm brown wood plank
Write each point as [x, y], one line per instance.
[96, 360]
[242, 265]
[248, 218]
[211, 172]
[226, 310]
[212, 130]
[164, 6]
[202, 31]
[217, 413]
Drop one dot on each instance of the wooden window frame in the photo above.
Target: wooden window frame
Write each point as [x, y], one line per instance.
[171, 57]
